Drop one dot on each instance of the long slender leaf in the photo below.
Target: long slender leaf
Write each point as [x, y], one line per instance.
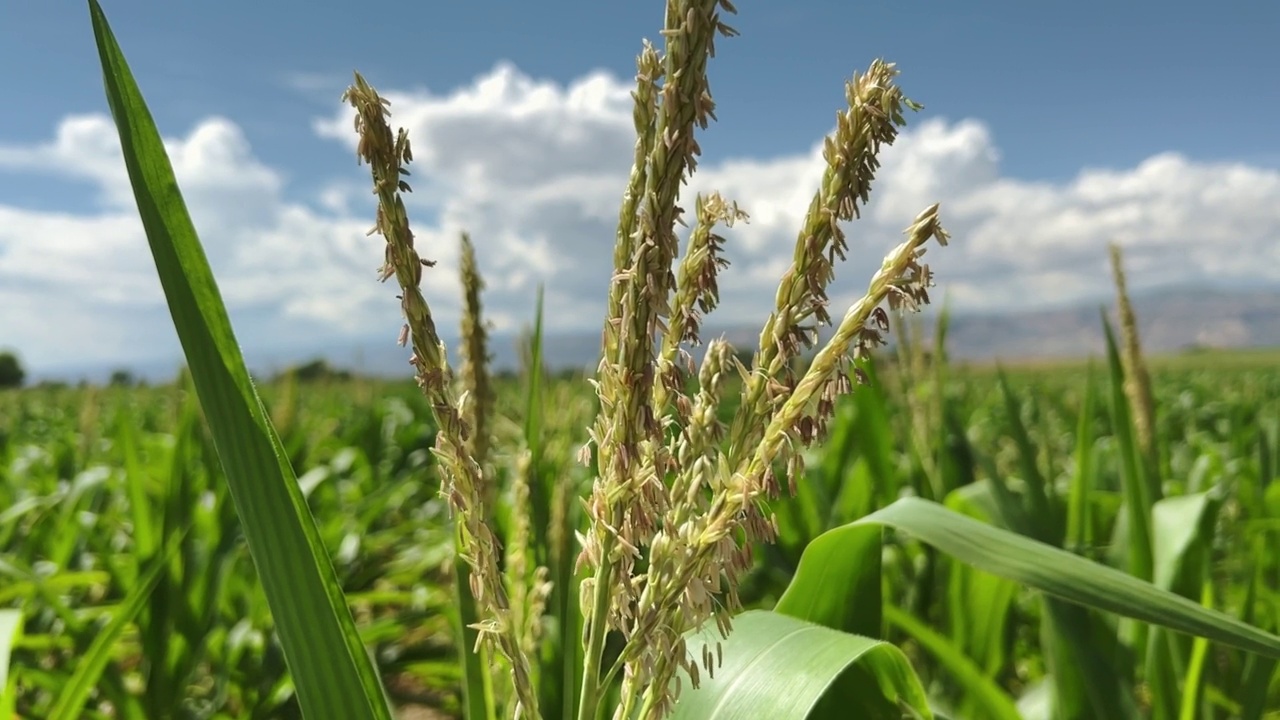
[333, 674]
[1079, 531]
[1193, 704]
[1090, 667]
[1065, 575]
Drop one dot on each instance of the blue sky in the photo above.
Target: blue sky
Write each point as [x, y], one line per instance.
[1022, 99]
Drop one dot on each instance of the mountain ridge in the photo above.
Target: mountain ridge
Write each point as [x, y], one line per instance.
[1169, 320]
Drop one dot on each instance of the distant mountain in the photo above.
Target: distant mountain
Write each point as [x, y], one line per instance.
[1169, 320]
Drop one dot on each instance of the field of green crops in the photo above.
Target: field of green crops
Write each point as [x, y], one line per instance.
[92, 480]
[784, 531]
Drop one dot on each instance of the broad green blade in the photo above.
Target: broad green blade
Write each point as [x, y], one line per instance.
[333, 674]
[879, 446]
[838, 582]
[1065, 575]
[1089, 679]
[779, 667]
[1139, 495]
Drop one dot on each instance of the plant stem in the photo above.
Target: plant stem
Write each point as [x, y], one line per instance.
[589, 702]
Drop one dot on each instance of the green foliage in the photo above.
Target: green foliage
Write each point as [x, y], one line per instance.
[318, 370]
[360, 453]
[10, 632]
[828, 674]
[11, 372]
[331, 671]
[122, 378]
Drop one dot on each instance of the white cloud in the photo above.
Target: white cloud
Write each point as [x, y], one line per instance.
[535, 171]
[78, 288]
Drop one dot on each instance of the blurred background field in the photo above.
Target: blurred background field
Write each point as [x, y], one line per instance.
[91, 477]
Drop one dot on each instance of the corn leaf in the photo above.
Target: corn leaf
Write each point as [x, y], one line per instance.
[780, 667]
[838, 582]
[1065, 575]
[332, 672]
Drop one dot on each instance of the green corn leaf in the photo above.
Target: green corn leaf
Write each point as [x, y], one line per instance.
[1090, 670]
[838, 582]
[333, 673]
[1079, 531]
[1080, 648]
[1065, 575]
[1194, 703]
[783, 668]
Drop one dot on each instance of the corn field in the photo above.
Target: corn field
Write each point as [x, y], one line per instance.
[94, 480]
[794, 530]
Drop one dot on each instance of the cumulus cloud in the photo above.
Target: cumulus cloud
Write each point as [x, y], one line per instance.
[81, 287]
[534, 171]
